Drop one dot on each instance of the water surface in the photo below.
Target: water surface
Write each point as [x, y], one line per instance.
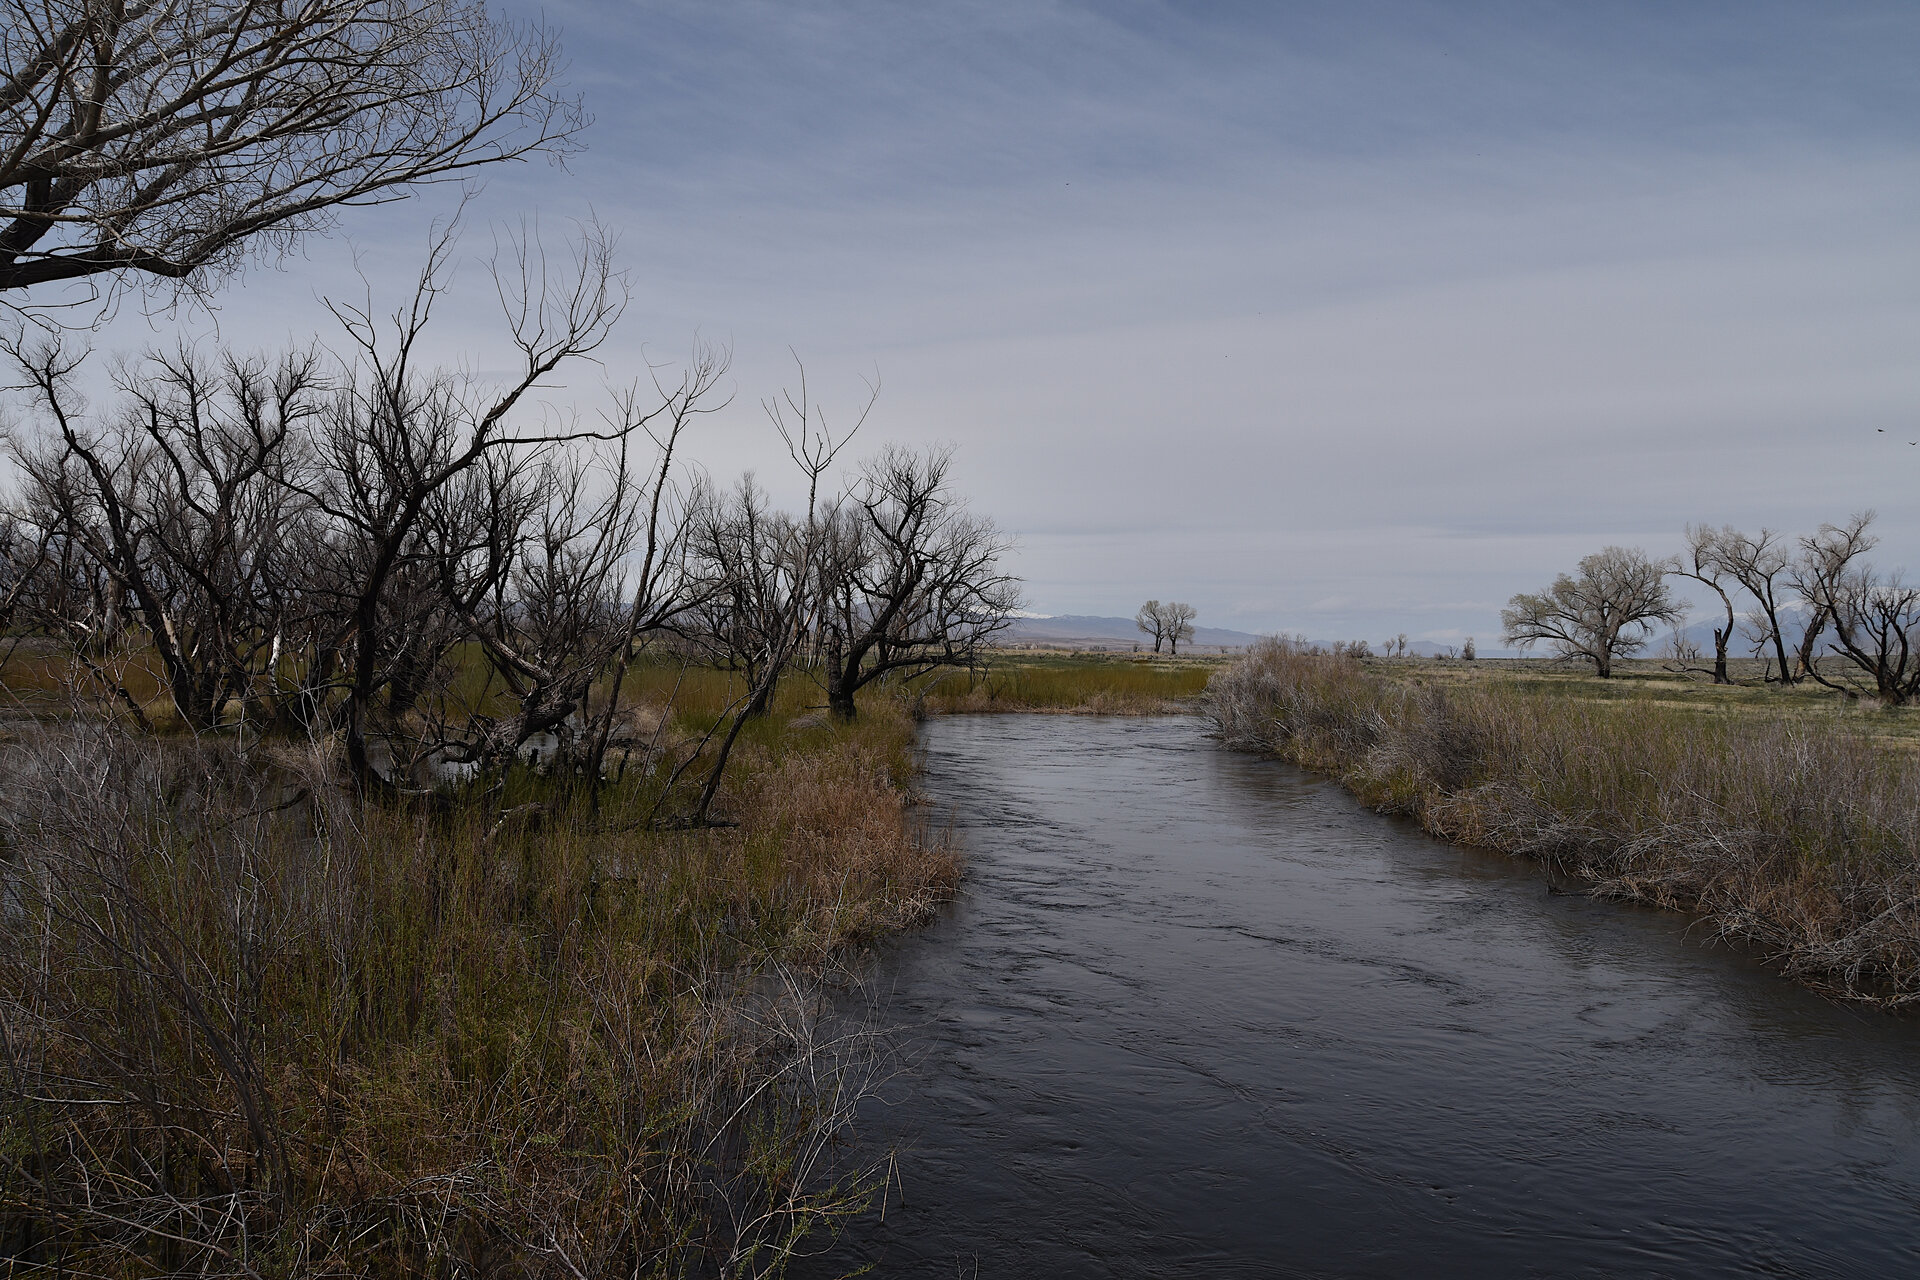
[1197, 1013]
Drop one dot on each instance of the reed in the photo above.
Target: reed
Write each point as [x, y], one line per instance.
[253, 1024]
[1795, 834]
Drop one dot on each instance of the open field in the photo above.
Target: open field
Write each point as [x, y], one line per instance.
[1083, 682]
[1787, 819]
[1648, 682]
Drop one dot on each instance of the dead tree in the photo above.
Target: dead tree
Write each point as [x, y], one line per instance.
[910, 581]
[1608, 611]
[158, 140]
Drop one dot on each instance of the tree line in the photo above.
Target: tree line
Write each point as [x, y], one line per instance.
[323, 541]
[1861, 630]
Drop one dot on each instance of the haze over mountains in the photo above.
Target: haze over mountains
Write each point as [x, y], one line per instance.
[1094, 631]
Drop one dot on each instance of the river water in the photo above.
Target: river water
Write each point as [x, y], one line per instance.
[1197, 1013]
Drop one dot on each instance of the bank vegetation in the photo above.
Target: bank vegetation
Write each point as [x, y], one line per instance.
[1790, 833]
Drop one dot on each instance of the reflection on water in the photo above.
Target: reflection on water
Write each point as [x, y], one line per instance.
[1201, 1014]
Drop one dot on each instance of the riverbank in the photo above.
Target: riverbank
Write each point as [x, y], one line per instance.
[1788, 826]
[258, 1025]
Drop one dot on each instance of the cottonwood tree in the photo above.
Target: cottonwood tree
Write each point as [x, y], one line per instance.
[909, 579]
[1762, 564]
[1152, 621]
[156, 139]
[1875, 618]
[1178, 621]
[1709, 560]
[1605, 611]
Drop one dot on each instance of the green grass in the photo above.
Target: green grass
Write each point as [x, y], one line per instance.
[1119, 684]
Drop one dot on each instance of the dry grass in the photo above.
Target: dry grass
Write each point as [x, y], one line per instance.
[253, 1025]
[1793, 827]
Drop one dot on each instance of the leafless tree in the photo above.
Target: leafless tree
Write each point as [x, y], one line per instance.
[755, 558]
[180, 500]
[1709, 559]
[1178, 620]
[1467, 652]
[798, 597]
[1761, 563]
[397, 437]
[1608, 611]
[1152, 621]
[159, 138]
[1875, 617]
[909, 579]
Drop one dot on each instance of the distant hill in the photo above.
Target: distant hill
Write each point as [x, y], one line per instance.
[1081, 631]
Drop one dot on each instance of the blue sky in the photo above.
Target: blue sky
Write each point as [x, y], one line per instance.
[1344, 318]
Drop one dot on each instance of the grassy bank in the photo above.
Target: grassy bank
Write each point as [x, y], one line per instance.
[252, 1024]
[1083, 684]
[1788, 823]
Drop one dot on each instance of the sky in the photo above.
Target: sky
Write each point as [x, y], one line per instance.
[1346, 319]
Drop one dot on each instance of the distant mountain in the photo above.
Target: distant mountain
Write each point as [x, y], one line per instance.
[1083, 631]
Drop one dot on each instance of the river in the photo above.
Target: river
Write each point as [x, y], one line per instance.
[1198, 1013]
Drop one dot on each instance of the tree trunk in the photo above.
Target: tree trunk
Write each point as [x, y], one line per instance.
[762, 698]
[1720, 656]
[840, 700]
[1603, 664]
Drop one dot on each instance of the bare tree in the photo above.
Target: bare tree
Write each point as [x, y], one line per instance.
[909, 579]
[1875, 618]
[1709, 560]
[396, 437]
[800, 593]
[1467, 652]
[754, 557]
[1608, 611]
[1152, 620]
[181, 501]
[160, 138]
[1761, 563]
[1177, 618]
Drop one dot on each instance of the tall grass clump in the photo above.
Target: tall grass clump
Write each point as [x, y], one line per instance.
[255, 1024]
[1799, 836]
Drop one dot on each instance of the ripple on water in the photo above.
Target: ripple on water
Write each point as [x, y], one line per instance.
[1199, 1013]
